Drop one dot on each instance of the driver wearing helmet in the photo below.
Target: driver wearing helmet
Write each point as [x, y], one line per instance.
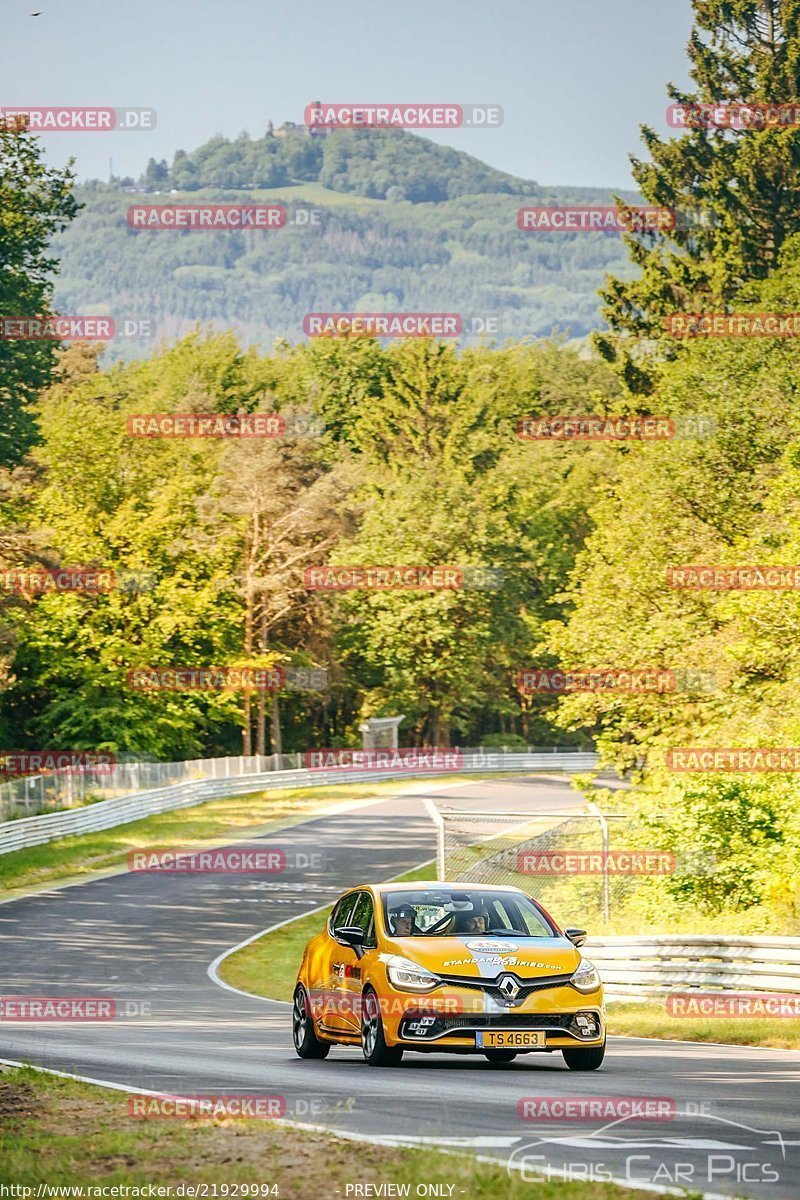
[477, 921]
[401, 920]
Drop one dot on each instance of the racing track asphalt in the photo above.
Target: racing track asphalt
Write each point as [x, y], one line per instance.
[150, 938]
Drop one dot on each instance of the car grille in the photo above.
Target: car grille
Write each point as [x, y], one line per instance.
[505, 1021]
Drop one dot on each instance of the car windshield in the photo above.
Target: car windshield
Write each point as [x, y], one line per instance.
[451, 912]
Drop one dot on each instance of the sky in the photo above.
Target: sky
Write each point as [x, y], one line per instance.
[575, 79]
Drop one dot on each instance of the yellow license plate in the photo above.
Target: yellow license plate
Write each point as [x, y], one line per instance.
[509, 1039]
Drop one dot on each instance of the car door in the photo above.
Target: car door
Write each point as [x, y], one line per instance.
[348, 975]
[323, 974]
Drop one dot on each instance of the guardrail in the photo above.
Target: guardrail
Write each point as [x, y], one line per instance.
[121, 810]
[71, 787]
[643, 967]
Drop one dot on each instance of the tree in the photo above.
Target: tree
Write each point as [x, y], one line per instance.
[35, 203]
[156, 175]
[288, 509]
[736, 191]
[140, 507]
[727, 499]
[447, 482]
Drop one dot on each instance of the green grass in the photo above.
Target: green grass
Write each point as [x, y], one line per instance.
[61, 1132]
[291, 193]
[650, 1020]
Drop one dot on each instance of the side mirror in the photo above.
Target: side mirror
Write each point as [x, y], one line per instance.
[349, 935]
[576, 936]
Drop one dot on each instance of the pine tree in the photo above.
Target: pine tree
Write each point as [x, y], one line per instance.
[36, 202]
[735, 191]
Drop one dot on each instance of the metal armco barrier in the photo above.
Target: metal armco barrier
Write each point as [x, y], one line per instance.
[642, 967]
[121, 810]
[31, 795]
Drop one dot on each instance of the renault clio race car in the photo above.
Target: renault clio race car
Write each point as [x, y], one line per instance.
[434, 967]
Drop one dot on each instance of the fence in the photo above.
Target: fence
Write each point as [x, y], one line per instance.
[530, 848]
[122, 809]
[642, 967]
[79, 785]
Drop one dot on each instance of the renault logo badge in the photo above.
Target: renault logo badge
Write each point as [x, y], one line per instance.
[508, 986]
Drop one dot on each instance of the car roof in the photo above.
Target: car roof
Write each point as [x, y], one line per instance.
[426, 885]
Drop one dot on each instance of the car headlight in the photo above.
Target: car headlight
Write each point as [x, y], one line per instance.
[408, 976]
[587, 977]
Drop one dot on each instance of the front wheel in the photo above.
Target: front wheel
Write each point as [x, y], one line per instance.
[584, 1058]
[304, 1035]
[373, 1042]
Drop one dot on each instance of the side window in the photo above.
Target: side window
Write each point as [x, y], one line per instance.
[363, 915]
[341, 912]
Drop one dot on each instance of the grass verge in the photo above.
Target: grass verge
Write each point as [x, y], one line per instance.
[61, 1132]
[649, 1020]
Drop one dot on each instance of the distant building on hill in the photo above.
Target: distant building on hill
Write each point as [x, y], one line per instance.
[299, 128]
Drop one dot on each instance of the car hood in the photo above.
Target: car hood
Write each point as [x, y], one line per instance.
[473, 956]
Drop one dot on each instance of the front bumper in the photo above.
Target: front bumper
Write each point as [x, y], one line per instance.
[565, 1016]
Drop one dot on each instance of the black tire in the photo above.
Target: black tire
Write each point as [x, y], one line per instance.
[499, 1058]
[373, 1042]
[584, 1058]
[304, 1035]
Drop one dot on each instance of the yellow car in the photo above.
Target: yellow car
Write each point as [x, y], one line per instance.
[434, 967]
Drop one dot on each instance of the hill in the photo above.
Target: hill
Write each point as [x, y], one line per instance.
[401, 223]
